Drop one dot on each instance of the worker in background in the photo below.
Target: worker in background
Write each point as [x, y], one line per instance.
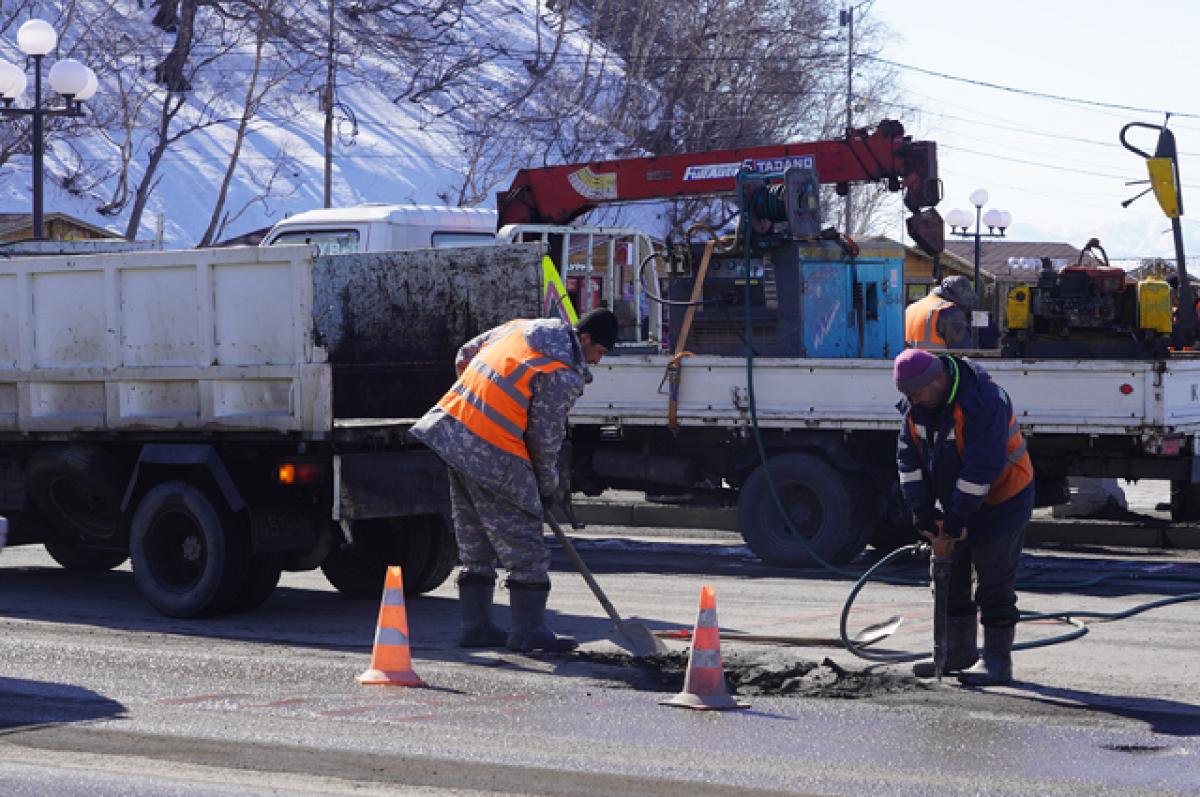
[499, 430]
[960, 448]
[939, 321]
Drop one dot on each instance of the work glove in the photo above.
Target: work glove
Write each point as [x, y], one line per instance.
[953, 525]
[547, 502]
[925, 518]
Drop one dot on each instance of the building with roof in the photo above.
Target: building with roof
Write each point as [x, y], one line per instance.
[997, 256]
[57, 226]
[919, 271]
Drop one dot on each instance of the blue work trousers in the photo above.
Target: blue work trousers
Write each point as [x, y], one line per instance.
[982, 575]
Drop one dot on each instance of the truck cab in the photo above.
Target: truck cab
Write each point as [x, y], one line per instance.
[376, 227]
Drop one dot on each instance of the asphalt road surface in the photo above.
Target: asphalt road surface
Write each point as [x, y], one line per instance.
[101, 695]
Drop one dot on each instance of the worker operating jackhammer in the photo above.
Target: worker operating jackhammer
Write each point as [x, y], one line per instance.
[960, 448]
[499, 430]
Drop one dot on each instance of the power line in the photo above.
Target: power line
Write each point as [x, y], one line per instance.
[1026, 92]
[1040, 165]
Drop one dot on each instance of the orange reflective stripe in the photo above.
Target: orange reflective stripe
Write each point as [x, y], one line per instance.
[1020, 468]
[912, 431]
[492, 396]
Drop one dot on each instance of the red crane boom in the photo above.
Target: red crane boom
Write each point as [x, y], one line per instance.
[561, 194]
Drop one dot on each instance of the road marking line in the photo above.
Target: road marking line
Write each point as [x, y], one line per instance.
[412, 718]
[343, 711]
[179, 700]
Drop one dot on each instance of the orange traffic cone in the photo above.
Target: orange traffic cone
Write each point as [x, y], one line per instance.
[390, 661]
[704, 684]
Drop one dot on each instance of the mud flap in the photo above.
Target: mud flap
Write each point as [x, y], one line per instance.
[390, 484]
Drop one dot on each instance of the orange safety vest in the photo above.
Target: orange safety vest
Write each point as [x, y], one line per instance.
[920, 323]
[1015, 477]
[492, 396]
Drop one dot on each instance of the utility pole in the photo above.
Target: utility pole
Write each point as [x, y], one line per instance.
[327, 102]
[847, 21]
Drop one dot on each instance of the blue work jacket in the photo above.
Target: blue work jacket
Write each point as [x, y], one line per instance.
[985, 477]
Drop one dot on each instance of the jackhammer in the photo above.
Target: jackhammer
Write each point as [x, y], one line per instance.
[943, 550]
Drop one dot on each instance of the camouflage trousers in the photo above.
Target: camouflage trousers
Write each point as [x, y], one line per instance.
[489, 527]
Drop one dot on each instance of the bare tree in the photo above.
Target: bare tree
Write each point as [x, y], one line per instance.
[177, 117]
[491, 148]
[272, 70]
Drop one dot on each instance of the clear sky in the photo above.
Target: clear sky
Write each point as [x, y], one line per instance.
[1057, 166]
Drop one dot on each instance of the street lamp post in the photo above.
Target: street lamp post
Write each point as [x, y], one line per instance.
[74, 81]
[994, 219]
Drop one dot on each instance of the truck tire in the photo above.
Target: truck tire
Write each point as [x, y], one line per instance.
[895, 529]
[824, 505]
[443, 556]
[73, 556]
[80, 489]
[265, 570]
[328, 535]
[191, 555]
[870, 508]
[360, 572]
[1185, 501]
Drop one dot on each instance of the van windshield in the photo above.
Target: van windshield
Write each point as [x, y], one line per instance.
[446, 240]
[328, 242]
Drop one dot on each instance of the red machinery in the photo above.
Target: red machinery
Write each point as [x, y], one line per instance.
[561, 194]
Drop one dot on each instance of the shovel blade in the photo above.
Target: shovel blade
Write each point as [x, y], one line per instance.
[638, 639]
[873, 633]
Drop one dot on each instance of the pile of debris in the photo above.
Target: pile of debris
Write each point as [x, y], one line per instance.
[750, 673]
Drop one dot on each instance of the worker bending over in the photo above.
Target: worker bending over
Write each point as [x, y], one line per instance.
[960, 447]
[499, 430]
[939, 321]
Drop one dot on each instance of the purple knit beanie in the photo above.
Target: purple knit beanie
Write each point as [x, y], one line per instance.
[915, 369]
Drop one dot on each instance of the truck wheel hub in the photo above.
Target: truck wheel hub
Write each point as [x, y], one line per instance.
[191, 548]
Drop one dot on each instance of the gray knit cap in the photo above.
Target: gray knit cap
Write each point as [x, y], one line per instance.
[958, 290]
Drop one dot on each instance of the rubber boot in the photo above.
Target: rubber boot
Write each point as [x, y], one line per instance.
[996, 667]
[529, 631]
[475, 599]
[961, 652]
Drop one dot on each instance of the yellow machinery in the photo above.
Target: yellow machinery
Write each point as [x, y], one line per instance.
[1089, 312]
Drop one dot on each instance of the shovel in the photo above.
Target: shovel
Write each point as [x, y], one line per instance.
[868, 636]
[635, 636]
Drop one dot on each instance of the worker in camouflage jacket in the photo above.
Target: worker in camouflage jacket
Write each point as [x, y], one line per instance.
[499, 430]
[960, 448]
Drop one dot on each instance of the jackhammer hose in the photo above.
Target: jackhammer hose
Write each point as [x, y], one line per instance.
[1069, 617]
[753, 405]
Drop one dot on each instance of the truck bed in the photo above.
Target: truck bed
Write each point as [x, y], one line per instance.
[247, 339]
[1051, 396]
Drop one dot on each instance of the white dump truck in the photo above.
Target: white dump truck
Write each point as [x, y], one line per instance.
[220, 415]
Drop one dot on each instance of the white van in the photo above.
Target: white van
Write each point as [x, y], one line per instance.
[376, 227]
